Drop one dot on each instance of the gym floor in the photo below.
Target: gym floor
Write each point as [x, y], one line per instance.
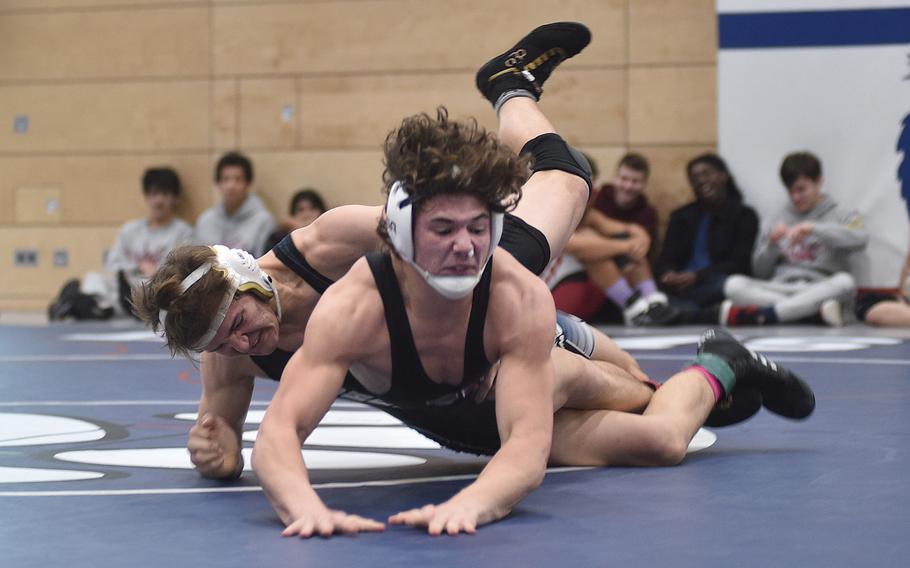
[93, 471]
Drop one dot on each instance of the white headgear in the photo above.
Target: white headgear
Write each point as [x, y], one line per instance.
[399, 211]
[243, 275]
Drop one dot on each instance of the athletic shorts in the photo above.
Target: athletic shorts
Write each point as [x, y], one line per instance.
[865, 301]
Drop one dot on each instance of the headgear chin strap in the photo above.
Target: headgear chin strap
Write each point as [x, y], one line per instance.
[399, 211]
[243, 275]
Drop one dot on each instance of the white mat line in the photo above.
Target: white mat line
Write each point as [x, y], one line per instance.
[256, 488]
[82, 358]
[109, 403]
[785, 359]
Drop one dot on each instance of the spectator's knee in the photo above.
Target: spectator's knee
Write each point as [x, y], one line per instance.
[844, 282]
[735, 284]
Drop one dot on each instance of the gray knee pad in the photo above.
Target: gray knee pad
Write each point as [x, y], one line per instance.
[572, 334]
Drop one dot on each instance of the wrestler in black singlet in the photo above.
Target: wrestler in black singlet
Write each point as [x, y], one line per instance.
[527, 244]
[447, 414]
[440, 412]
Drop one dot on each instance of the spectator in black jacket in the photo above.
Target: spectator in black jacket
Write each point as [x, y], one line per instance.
[706, 240]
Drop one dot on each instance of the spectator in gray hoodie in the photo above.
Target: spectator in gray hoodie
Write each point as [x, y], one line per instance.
[241, 220]
[800, 264]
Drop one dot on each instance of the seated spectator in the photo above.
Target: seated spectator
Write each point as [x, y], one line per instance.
[706, 241]
[892, 309]
[305, 206]
[889, 308]
[800, 264]
[607, 256]
[139, 248]
[241, 220]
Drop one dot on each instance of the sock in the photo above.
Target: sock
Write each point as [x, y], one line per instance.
[717, 372]
[511, 95]
[712, 381]
[769, 313]
[647, 287]
[620, 292]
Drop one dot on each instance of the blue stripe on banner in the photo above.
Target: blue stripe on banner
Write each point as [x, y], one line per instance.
[809, 29]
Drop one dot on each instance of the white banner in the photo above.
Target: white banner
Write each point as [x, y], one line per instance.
[832, 78]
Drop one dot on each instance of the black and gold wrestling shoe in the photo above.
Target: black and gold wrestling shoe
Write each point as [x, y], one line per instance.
[528, 64]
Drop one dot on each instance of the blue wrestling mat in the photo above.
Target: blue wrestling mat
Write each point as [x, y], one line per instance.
[93, 470]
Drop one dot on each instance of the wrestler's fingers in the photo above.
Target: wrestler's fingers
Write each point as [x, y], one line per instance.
[356, 523]
[301, 527]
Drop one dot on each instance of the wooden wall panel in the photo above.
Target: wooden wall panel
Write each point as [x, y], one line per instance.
[75, 5]
[113, 117]
[268, 113]
[38, 205]
[85, 246]
[308, 89]
[396, 35]
[606, 158]
[587, 106]
[225, 113]
[341, 176]
[672, 31]
[117, 43]
[358, 111]
[673, 105]
[103, 189]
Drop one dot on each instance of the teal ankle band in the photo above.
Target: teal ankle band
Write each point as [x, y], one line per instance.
[719, 368]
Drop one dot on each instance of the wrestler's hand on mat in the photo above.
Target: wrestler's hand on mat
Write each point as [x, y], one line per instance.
[325, 522]
[452, 517]
[214, 448]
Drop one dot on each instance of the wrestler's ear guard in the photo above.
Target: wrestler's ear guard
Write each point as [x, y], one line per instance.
[399, 212]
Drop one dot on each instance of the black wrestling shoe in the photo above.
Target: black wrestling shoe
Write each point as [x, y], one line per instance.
[736, 407]
[529, 63]
[782, 392]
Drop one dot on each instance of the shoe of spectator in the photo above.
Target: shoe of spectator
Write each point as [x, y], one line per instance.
[735, 315]
[832, 313]
[650, 311]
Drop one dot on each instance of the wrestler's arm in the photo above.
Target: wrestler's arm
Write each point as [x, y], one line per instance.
[605, 349]
[338, 237]
[309, 385]
[524, 414]
[214, 441]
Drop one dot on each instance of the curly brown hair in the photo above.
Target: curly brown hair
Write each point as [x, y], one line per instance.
[189, 314]
[438, 156]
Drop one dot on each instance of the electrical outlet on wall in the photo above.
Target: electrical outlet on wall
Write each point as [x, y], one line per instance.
[25, 257]
[61, 257]
[20, 124]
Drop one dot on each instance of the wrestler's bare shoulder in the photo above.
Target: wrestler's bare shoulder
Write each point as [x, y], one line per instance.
[351, 309]
[520, 302]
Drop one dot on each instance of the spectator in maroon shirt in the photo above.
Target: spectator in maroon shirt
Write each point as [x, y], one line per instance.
[607, 257]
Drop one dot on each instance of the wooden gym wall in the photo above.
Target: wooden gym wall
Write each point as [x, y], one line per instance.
[94, 91]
